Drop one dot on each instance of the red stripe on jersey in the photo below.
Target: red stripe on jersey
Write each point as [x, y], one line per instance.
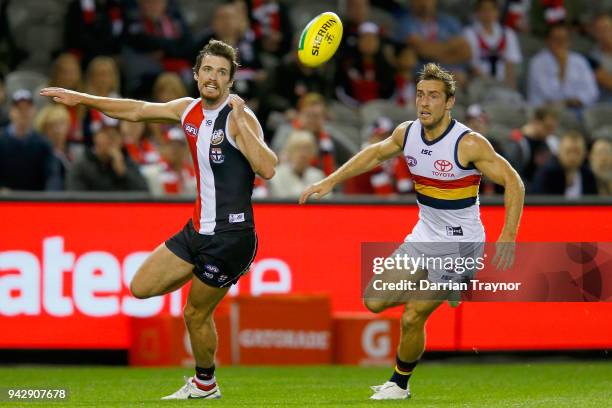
[194, 119]
[467, 181]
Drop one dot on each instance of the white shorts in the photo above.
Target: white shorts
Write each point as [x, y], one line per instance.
[444, 261]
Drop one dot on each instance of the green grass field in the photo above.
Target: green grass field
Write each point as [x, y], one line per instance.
[582, 384]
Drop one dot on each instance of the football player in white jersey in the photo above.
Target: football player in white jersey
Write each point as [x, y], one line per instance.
[218, 245]
[446, 160]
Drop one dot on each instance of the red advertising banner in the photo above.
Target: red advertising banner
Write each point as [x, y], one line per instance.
[65, 268]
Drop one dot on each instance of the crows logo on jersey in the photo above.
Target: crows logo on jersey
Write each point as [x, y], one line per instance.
[216, 155]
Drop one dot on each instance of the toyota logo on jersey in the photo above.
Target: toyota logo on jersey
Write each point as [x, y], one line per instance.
[190, 129]
[443, 165]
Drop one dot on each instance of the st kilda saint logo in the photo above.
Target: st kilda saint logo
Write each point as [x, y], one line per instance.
[443, 165]
[191, 129]
[216, 155]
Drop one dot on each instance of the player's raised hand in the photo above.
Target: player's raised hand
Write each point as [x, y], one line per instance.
[316, 190]
[238, 106]
[61, 95]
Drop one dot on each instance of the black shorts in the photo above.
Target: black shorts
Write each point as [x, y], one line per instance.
[219, 260]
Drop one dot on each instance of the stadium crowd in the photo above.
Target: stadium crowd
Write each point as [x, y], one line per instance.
[534, 77]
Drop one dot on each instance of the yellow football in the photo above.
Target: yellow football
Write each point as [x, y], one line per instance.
[320, 39]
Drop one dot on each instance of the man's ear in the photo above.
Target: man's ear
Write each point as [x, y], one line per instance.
[450, 102]
[195, 76]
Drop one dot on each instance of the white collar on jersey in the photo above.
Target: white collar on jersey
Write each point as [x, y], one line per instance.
[218, 108]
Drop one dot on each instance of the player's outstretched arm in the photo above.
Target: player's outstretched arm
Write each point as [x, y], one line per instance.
[363, 161]
[246, 130]
[474, 148]
[124, 109]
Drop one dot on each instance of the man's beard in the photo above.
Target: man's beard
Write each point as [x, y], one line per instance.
[434, 124]
[211, 100]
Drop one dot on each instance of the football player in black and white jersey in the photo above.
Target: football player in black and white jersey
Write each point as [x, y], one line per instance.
[219, 242]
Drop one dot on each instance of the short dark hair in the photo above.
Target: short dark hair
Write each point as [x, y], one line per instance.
[557, 25]
[219, 49]
[572, 135]
[434, 72]
[481, 2]
[544, 112]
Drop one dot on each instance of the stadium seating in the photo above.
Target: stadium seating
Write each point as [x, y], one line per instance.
[568, 120]
[198, 13]
[40, 43]
[598, 116]
[506, 114]
[302, 12]
[372, 110]
[604, 132]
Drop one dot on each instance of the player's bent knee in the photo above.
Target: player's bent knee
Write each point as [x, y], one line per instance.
[373, 305]
[139, 291]
[195, 316]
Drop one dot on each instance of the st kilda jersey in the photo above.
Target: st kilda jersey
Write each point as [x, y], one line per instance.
[224, 175]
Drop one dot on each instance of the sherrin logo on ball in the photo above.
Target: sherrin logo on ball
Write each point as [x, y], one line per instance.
[320, 39]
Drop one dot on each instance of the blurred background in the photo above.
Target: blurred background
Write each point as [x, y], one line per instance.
[535, 77]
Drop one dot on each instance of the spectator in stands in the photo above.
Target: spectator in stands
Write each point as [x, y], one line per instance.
[26, 158]
[105, 167]
[175, 173]
[355, 13]
[261, 189]
[12, 54]
[101, 79]
[435, 36]
[495, 48]
[4, 118]
[601, 57]
[271, 25]
[558, 75]
[53, 121]
[516, 15]
[156, 39]
[168, 87]
[66, 73]
[476, 119]
[365, 73]
[567, 173]
[230, 24]
[297, 81]
[93, 28]
[405, 85]
[138, 144]
[532, 145]
[296, 173]
[312, 117]
[547, 13]
[600, 159]
[391, 177]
